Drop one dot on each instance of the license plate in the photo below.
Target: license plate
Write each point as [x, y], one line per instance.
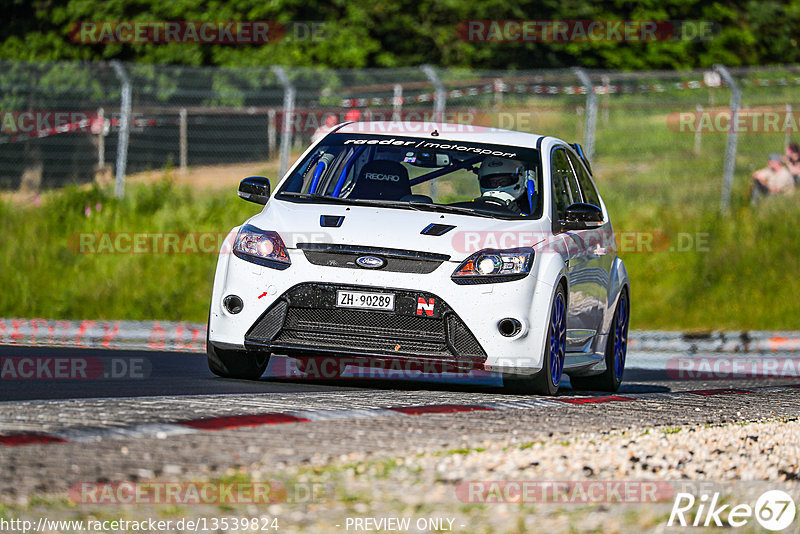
[366, 301]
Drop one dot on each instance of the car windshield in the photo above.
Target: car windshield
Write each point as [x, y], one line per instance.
[414, 173]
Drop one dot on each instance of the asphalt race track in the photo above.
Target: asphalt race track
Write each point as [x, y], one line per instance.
[175, 374]
[164, 407]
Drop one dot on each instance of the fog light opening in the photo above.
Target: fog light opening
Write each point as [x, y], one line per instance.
[509, 327]
[233, 304]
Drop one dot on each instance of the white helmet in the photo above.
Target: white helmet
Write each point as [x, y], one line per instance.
[502, 178]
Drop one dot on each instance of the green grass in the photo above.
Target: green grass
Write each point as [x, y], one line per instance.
[45, 276]
[743, 275]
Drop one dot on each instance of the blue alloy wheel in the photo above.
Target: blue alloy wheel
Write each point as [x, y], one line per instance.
[620, 336]
[558, 339]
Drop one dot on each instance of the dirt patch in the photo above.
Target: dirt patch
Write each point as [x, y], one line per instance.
[210, 177]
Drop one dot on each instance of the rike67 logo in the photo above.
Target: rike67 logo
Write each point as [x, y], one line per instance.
[774, 510]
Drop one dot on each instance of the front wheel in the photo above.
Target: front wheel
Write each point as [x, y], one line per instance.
[547, 380]
[235, 363]
[616, 352]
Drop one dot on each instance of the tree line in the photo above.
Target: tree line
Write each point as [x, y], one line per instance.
[487, 34]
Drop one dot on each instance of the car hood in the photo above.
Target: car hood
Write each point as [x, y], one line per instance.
[396, 228]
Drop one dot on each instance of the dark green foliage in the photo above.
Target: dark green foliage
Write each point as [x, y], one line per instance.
[359, 33]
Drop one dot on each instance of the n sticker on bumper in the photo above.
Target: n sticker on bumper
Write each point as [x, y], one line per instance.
[425, 307]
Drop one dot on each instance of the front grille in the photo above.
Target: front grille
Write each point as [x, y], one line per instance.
[310, 322]
[396, 261]
[347, 342]
[463, 340]
[271, 322]
[366, 323]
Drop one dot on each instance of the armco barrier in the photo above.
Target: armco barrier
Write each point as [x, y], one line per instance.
[100, 334]
[190, 337]
[716, 341]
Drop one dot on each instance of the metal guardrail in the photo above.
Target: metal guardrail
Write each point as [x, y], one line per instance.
[185, 336]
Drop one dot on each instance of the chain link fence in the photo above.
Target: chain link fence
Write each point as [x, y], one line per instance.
[68, 123]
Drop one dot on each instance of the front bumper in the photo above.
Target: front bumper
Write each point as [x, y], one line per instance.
[479, 307]
[305, 320]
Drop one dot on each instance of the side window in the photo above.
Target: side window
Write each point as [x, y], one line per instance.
[590, 195]
[562, 174]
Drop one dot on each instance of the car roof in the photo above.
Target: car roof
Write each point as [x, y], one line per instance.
[447, 131]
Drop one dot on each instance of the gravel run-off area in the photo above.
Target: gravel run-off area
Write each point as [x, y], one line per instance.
[569, 483]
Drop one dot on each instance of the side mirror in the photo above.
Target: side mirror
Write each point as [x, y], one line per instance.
[580, 216]
[255, 189]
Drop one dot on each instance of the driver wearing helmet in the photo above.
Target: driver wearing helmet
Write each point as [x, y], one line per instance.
[502, 181]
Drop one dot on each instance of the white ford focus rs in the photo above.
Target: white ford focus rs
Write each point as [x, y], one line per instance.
[488, 250]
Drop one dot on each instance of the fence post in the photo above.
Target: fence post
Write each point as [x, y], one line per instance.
[439, 95]
[733, 137]
[497, 88]
[184, 150]
[439, 103]
[606, 81]
[591, 112]
[697, 131]
[288, 118]
[124, 128]
[397, 103]
[101, 140]
[271, 137]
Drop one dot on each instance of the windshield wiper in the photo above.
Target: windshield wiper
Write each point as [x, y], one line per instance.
[314, 196]
[424, 206]
[339, 200]
[420, 206]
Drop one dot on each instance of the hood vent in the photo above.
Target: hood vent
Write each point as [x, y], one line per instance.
[331, 221]
[437, 229]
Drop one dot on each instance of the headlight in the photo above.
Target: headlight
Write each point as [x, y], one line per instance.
[489, 266]
[261, 247]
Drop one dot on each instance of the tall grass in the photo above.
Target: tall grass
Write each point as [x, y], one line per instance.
[46, 275]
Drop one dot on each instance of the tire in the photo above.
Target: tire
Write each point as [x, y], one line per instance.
[236, 363]
[548, 379]
[616, 352]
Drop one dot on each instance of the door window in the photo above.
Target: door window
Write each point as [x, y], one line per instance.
[588, 190]
[562, 176]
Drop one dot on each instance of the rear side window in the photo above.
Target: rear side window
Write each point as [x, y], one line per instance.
[562, 175]
[590, 195]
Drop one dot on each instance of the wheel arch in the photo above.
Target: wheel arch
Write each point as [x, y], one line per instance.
[551, 277]
[619, 282]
